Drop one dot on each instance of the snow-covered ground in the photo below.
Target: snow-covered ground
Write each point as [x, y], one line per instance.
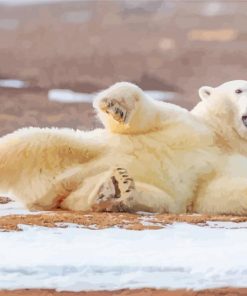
[76, 258]
[12, 208]
[15, 208]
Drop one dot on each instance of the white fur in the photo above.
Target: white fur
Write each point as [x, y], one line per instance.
[169, 153]
[222, 111]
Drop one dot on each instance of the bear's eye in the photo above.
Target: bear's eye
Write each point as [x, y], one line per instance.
[238, 91]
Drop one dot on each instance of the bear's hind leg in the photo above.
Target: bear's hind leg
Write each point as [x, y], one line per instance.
[119, 193]
[224, 195]
[62, 186]
[116, 191]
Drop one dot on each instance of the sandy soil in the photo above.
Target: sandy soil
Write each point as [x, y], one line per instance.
[105, 220]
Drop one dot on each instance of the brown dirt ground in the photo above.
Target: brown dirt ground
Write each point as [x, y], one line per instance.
[167, 45]
[93, 220]
[105, 220]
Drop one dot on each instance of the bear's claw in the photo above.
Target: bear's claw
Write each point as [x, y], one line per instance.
[116, 109]
[116, 193]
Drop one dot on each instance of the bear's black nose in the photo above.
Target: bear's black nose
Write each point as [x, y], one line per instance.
[244, 119]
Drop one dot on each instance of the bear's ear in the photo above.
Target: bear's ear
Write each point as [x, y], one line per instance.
[205, 92]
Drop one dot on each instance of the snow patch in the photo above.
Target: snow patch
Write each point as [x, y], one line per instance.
[75, 259]
[217, 8]
[8, 24]
[228, 225]
[160, 95]
[150, 221]
[69, 96]
[27, 2]
[81, 16]
[16, 208]
[13, 83]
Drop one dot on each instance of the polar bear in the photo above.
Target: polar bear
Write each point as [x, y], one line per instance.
[221, 190]
[224, 110]
[151, 156]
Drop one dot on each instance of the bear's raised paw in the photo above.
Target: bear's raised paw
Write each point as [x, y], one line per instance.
[116, 108]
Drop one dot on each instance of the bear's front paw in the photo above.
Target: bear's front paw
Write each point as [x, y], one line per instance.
[118, 109]
[116, 194]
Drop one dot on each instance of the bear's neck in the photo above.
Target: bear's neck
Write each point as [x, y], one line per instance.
[219, 120]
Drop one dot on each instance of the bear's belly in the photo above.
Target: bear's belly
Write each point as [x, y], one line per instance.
[151, 160]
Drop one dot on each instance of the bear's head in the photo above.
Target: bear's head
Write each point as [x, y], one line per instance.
[229, 102]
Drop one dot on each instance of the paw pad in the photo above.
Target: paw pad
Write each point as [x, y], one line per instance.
[116, 193]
